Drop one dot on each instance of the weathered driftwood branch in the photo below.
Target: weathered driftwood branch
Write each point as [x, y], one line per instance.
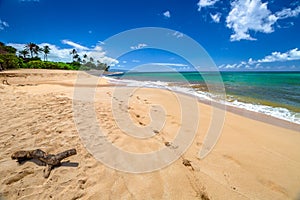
[50, 160]
[5, 82]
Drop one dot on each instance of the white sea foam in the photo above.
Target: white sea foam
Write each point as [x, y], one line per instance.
[277, 112]
[134, 83]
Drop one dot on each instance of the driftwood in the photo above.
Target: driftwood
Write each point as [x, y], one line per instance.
[5, 82]
[49, 160]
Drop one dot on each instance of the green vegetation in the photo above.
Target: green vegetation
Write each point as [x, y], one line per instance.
[29, 58]
[8, 58]
[46, 49]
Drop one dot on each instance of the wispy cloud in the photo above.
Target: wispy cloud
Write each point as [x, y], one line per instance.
[206, 3]
[3, 25]
[139, 46]
[167, 14]
[288, 12]
[101, 42]
[178, 34]
[75, 45]
[216, 17]
[253, 15]
[169, 64]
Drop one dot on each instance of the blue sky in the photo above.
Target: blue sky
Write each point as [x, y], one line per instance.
[237, 34]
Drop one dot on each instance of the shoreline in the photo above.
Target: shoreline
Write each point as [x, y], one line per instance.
[255, 115]
[262, 117]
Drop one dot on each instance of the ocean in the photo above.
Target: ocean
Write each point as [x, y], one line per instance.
[272, 93]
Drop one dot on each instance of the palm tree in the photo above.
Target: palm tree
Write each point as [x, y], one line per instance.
[85, 57]
[37, 50]
[31, 48]
[91, 59]
[74, 53]
[46, 49]
[24, 53]
[77, 57]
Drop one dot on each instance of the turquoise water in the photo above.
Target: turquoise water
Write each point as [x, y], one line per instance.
[273, 93]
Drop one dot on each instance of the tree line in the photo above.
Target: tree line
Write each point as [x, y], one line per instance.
[10, 58]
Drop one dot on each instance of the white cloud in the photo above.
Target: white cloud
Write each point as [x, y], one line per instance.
[135, 61]
[229, 66]
[98, 53]
[75, 45]
[178, 34]
[253, 15]
[221, 66]
[286, 13]
[293, 54]
[206, 3]
[251, 61]
[167, 14]
[266, 62]
[56, 54]
[169, 64]
[139, 46]
[19, 47]
[216, 17]
[247, 15]
[3, 25]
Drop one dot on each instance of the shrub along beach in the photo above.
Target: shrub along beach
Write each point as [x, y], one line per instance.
[29, 58]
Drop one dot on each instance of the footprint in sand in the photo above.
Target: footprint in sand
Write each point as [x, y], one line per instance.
[142, 124]
[108, 93]
[171, 145]
[187, 163]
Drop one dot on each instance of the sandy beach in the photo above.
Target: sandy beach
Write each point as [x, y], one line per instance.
[252, 159]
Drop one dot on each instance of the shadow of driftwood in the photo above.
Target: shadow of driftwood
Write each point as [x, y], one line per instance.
[69, 164]
[34, 160]
[40, 163]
